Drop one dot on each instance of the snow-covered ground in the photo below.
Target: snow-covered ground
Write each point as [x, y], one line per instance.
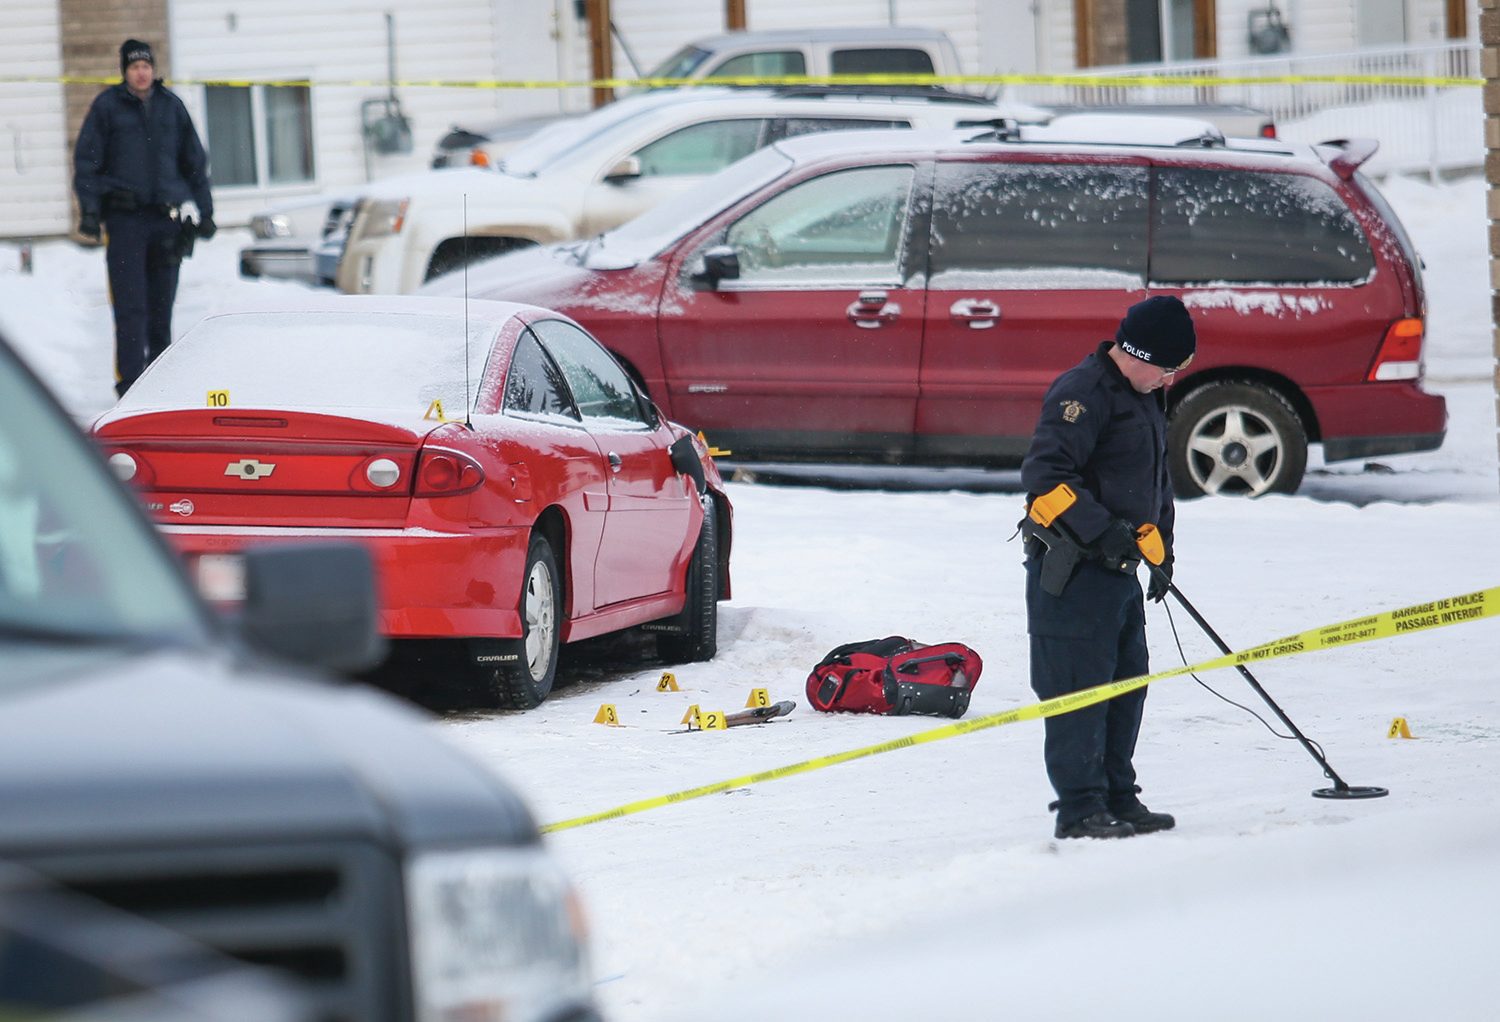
[924, 883]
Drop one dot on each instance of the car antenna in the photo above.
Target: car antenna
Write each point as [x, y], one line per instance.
[468, 422]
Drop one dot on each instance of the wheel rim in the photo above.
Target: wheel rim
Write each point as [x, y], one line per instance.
[541, 621]
[1235, 449]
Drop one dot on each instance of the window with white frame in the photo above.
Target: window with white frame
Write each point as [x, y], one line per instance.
[259, 135]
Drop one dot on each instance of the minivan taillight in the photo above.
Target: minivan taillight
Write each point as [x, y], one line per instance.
[443, 473]
[1400, 354]
[1268, 130]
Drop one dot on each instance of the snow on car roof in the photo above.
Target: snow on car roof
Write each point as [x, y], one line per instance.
[382, 358]
[865, 33]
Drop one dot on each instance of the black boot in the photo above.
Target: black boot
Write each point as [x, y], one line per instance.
[1144, 820]
[1101, 824]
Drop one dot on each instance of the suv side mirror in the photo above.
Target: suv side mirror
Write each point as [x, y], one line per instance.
[719, 263]
[312, 605]
[628, 169]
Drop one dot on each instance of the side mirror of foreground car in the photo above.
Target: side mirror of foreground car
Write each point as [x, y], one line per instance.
[628, 169]
[312, 605]
[719, 263]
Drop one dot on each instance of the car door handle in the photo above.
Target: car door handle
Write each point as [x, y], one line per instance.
[614, 462]
[978, 313]
[871, 310]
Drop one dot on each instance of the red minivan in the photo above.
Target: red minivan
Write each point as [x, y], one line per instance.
[907, 297]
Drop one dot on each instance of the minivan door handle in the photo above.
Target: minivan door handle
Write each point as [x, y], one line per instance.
[978, 313]
[871, 310]
[614, 462]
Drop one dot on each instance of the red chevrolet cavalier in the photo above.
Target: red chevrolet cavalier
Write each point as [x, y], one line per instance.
[514, 485]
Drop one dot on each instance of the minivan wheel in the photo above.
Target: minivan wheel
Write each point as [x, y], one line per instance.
[1236, 439]
[517, 674]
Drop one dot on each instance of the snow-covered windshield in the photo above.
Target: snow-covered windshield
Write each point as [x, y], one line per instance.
[77, 562]
[663, 224]
[319, 361]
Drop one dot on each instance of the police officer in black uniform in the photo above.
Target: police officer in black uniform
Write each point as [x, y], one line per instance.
[137, 161]
[1103, 433]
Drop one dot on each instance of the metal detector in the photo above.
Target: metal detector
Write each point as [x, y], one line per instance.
[1152, 548]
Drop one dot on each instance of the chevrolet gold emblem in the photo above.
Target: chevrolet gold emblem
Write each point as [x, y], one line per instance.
[248, 468]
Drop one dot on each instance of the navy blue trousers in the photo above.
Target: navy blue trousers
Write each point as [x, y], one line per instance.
[143, 265]
[1094, 633]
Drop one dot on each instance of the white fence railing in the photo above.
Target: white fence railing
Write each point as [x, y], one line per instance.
[1428, 127]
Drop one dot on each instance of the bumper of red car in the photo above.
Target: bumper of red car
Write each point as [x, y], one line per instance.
[431, 584]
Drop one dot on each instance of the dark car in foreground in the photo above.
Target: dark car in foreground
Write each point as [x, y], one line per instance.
[907, 297]
[153, 761]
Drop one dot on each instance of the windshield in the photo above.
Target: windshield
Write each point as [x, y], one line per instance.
[561, 140]
[663, 224]
[681, 64]
[319, 361]
[78, 563]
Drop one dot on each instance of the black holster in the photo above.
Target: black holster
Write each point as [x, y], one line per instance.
[1060, 553]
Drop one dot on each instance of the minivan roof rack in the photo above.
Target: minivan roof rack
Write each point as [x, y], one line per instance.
[1207, 140]
[997, 129]
[933, 92]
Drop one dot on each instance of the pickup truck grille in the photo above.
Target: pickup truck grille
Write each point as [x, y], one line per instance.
[328, 913]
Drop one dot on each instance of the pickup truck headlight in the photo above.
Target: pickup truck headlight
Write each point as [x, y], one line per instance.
[268, 226]
[496, 933]
[385, 216]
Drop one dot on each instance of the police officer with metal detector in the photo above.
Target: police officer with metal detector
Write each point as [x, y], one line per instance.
[137, 161]
[1095, 471]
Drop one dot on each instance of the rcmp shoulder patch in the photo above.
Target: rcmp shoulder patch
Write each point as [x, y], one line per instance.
[1072, 410]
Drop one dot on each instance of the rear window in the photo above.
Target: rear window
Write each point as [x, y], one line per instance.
[882, 60]
[318, 361]
[1034, 225]
[1242, 227]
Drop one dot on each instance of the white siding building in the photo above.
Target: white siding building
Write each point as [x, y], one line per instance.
[270, 144]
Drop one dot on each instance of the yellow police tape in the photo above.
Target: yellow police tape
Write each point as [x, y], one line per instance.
[1142, 81]
[1418, 617]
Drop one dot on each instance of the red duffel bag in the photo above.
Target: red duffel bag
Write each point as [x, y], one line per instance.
[895, 675]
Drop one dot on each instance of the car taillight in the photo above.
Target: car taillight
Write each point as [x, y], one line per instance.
[1268, 130]
[446, 473]
[131, 468]
[1400, 354]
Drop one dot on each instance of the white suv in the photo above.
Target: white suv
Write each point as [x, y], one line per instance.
[588, 174]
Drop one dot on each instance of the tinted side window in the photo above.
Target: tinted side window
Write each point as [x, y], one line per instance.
[840, 227]
[771, 64]
[1038, 225]
[534, 385]
[701, 148]
[1239, 227]
[889, 60]
[602, 389]
[791, 127]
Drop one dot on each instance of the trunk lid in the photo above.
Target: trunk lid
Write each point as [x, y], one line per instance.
[214, 466]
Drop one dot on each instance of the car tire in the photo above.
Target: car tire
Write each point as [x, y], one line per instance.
[699, 638]
[1236, 439]
[517, 674]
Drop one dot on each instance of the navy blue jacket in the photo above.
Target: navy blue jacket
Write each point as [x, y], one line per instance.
[1108, 442]
[149, 149]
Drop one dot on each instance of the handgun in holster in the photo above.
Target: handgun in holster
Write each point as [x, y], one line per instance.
[1064, 551]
